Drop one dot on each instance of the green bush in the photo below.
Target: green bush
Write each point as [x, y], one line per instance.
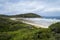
[55, 27]
[43, 34]
[9, 25]
[5, 36]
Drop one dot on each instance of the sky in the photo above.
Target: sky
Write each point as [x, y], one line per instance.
[41, 7]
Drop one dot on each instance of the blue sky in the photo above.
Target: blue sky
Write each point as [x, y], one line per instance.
[41, 7]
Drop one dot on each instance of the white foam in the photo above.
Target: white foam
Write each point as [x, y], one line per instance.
[39, 21]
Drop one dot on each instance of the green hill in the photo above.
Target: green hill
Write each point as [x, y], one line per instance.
[16, 30]
[27, 15]
[2, 15]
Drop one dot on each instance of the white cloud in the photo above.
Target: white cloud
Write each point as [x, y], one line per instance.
[29, 6]
[51, 9]
[23, 7]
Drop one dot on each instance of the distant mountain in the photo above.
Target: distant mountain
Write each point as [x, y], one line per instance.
[1, 15]
[27, 15]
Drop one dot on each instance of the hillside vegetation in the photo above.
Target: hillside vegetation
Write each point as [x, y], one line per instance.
[1, 15]
[15, 30]
[26, 15]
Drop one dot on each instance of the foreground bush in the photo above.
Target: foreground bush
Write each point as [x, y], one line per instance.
[9, 25]
[5, 36]
[43, 34]
[55, 27]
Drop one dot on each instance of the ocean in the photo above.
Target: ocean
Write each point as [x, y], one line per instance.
[56, 17]
[46, 21]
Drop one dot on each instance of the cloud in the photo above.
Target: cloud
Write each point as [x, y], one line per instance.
[52, 9]
[24, 6]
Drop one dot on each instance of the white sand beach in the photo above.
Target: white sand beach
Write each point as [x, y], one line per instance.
[37, 22]
[36, 25]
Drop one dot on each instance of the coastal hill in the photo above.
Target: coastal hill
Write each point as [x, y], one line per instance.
[2, 15]
[27, 15]
[16, 30]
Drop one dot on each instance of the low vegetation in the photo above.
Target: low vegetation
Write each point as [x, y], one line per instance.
[15, 30]
[27, 15]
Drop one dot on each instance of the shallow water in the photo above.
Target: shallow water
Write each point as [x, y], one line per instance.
[38, 21]
[42, 21]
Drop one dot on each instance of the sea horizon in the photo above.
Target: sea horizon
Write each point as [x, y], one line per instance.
[51, 17]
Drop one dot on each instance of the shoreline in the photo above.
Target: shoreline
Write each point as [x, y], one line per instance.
[36, 25]
[28, 21]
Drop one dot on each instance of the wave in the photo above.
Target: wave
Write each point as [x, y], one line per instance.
[43, 21]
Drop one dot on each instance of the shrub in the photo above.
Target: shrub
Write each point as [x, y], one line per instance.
[55, 27]
[43, 34]
[5, 36]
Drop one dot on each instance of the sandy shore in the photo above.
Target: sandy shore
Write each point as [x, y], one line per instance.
[32, 23]
[36, 25]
